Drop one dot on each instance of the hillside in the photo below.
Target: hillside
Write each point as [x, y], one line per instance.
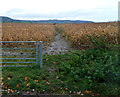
[7, 19]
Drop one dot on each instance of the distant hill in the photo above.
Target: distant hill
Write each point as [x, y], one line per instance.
[9, 20]
[6, 19]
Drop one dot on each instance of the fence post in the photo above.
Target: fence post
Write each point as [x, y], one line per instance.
[37, 52]
[41, 54]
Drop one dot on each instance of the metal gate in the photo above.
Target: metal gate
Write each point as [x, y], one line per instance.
[20, 52]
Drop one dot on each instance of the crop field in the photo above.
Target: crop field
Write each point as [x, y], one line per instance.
[86, 34]
[77, 34]
[27, 32]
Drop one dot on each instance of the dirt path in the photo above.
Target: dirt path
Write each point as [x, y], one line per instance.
[59, 46]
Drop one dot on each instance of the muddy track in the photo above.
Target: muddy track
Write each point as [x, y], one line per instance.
[58, 46]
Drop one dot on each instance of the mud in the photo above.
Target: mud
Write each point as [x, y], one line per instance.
[59, 46]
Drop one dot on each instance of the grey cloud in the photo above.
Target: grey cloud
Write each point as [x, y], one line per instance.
[100, 14]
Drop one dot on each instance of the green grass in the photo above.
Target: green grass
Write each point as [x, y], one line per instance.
[90, 71]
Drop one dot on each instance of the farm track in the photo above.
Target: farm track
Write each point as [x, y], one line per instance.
[58, 46]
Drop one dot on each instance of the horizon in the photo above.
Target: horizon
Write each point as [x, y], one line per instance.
[56, 19]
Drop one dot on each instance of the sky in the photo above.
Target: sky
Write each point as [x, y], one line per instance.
[93, 10]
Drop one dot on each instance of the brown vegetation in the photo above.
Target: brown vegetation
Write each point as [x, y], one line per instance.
[27, 32]
[79, 34]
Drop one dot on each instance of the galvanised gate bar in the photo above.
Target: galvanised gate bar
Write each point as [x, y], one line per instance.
[24, 53]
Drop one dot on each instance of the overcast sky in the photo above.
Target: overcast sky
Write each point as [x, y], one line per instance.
[94, 10]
